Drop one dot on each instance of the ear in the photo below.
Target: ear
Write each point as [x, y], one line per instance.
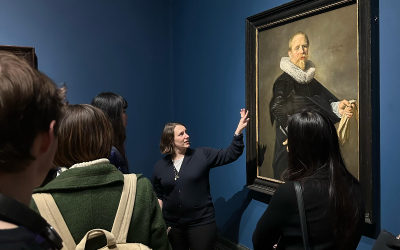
[48, 138]
[290, 54]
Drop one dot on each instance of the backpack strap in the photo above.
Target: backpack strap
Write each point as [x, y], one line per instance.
[125, 208]
[49, 211]
[111, 243]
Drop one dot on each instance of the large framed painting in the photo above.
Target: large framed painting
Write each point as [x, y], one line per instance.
[331, 47]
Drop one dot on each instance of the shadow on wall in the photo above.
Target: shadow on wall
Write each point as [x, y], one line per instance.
[229, 213]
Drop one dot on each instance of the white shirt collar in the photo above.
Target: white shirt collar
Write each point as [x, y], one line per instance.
[90, 163]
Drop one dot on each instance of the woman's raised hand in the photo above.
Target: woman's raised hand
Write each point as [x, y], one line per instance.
[243, 121]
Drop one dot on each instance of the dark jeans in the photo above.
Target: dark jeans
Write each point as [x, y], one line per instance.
[194, 238]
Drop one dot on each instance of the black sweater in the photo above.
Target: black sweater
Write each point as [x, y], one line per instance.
[187, 201]
[282, 218]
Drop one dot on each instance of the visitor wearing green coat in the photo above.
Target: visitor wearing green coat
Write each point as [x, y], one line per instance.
[89, 192]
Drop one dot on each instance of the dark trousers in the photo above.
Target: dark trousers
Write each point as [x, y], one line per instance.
[194, 238]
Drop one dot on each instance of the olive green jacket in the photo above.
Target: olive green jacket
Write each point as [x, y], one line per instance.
[88, 198]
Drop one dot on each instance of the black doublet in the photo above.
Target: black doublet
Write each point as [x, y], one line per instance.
[290, 97]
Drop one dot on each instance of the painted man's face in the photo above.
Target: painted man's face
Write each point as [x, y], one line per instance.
[299, 53]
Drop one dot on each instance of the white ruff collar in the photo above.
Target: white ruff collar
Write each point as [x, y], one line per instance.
[298, 74]
[90, 163]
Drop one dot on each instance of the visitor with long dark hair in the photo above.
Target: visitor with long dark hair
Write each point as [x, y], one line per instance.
[181, 182]
[332, 198]
[114, 106]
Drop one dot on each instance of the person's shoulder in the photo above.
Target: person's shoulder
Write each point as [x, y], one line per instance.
[141, 180]
[144, 189]
[192, 151]
[161, 162]
[285, 187]
[285, 193]
[284, 77]
[203, 151]
[315, 83]
[284, 80]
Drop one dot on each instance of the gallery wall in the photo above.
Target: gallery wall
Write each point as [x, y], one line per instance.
[208, 41]
[183, 60]
[390, 115]
[96, 46]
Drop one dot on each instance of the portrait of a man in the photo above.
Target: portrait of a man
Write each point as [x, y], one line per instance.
[297, 89]
[308, 63]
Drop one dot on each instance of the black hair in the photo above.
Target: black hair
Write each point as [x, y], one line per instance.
[113, 105]
[314, 146]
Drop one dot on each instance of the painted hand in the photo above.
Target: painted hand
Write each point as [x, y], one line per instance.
[346, 108]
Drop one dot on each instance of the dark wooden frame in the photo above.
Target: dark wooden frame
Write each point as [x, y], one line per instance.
[369, 158]
[28, 53]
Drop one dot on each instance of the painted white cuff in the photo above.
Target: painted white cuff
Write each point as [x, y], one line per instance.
[335, 108]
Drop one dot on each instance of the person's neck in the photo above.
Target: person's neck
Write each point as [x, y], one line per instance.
[19, 186]
[179, 153]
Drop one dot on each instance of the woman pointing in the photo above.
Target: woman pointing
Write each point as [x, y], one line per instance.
[181, 182]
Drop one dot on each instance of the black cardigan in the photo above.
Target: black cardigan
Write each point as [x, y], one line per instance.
[187, 201]
[282, 219]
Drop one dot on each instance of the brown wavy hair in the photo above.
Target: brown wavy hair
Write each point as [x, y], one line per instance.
[29, 102]
[167, 138]
[85, 134]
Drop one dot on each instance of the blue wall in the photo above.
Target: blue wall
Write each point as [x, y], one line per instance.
[390, 115]
[208, 47]
[208, 41]
[183, 60]
[96, 46]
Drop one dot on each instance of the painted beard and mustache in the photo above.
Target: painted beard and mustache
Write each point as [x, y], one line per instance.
[301, 63]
